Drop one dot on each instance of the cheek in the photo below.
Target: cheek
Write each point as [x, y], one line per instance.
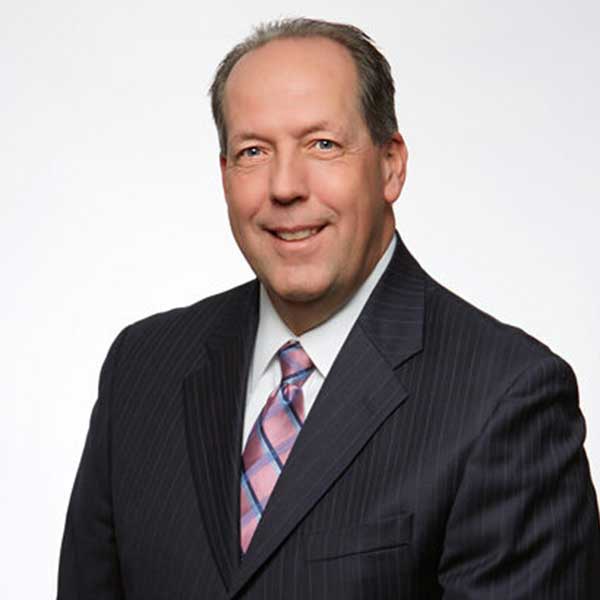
[336, 187]
[244, 196]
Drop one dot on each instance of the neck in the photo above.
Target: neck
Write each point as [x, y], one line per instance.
[300, 317]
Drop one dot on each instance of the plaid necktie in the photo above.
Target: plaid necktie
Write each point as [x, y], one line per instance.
[272, 437]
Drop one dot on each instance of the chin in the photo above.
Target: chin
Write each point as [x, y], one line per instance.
[299, 284]
[300, 296]
[299, 292]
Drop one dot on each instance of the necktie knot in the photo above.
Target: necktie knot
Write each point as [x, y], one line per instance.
[296, 365]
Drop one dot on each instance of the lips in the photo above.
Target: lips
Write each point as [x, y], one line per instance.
[294, 234]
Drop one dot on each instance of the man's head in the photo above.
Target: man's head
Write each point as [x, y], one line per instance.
[309, 149]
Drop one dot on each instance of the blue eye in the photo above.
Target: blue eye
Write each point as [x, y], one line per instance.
[250, 152]
[325, 144]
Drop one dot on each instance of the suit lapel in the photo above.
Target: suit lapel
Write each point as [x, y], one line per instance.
[214, 408]
[359, 393]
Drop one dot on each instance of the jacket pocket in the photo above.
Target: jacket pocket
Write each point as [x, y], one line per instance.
[371, 537]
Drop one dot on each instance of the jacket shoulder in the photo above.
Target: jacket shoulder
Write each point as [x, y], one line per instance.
[180, 330]
[473, 334]
[485, 364]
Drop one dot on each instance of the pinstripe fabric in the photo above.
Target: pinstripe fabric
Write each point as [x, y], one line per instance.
[272, 438]
[443, 458]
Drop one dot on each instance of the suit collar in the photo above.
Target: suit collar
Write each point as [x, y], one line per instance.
[394, 315]
[213, 398]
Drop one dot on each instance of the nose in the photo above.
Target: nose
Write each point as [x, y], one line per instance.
[288, 178]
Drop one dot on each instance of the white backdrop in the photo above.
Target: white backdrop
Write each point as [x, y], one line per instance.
[112, 207]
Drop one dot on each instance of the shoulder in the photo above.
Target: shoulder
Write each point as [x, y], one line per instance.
[179, 332]
[461, 314]
[465, 338]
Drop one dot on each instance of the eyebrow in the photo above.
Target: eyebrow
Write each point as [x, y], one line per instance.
[320, 126]
[246, 135]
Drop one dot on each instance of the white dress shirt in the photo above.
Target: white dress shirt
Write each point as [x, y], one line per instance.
[322, 345]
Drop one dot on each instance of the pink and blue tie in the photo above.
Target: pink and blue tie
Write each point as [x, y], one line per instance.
[272, 437]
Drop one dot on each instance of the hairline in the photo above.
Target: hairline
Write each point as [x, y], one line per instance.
[358, 91]
[371, 67]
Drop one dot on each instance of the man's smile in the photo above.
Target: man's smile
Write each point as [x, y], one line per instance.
[297, 233]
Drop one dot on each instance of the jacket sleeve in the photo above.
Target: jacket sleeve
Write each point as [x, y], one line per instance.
[89, 563]
[524, 523]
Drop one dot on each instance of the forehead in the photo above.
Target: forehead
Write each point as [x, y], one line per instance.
[292, 81]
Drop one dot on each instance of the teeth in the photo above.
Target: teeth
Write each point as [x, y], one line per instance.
[296, 235]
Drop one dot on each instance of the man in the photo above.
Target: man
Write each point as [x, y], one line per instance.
[344, 426]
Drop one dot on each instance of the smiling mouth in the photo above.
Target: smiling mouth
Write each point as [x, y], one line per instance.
[296, 234]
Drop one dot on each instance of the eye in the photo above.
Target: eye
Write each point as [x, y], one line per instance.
[250, 152]
[325, 144]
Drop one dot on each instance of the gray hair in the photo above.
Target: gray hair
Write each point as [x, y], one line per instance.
[376, 86]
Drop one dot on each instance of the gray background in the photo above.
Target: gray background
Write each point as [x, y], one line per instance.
[112, 207]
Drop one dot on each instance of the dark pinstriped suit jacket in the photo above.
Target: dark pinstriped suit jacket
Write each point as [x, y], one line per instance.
[442, 459]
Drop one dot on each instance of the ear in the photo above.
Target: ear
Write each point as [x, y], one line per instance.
[394, 157]
[223, 166]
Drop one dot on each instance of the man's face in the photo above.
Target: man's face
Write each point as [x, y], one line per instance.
[309, 195]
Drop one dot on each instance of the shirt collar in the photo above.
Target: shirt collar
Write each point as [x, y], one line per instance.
[321, 343]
